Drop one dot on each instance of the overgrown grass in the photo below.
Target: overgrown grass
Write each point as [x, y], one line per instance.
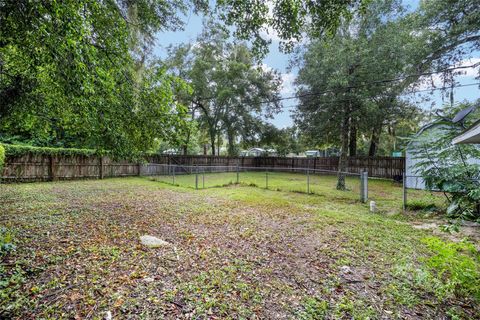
[237, 252]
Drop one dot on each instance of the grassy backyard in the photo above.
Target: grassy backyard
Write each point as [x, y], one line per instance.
[236, 252]
[387, 194]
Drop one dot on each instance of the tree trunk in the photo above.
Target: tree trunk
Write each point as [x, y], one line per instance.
[342, 161]
[352, 144]
[231, 142]
[212, 141]
[372, 150]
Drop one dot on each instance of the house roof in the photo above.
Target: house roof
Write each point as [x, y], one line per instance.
[423, 129]
[471, 135]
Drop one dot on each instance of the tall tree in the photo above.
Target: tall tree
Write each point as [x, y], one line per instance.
[67, 75]
[229, 89]
[339, 85]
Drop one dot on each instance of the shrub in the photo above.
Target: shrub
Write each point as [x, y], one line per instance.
[20, 150]
[2, 158]
[445, 167]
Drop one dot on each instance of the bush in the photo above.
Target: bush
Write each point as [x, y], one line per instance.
[2, 158]
[20, 150]
[446, 167]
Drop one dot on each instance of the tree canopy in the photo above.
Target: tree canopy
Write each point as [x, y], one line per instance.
[230, 91]
[68, 75]
[82, 73]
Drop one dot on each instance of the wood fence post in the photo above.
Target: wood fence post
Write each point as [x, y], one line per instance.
[100, 167]
[51, 170]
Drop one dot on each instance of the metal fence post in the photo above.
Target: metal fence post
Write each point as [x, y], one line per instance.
[203, 178]
[362, 198]
[404, 187]
[266, 179]
[364, 186]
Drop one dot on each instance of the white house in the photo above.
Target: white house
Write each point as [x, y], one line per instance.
[253, 152]
[272, 152]
[312, 153]
[428, 132]
[328, 152]
[170, 151]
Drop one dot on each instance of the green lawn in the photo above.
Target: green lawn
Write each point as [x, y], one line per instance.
[387, 194]
[236, 252]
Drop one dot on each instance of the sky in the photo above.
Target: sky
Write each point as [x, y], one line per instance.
[280, 61]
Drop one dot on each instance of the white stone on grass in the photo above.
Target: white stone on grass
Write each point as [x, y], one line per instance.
[153, 242]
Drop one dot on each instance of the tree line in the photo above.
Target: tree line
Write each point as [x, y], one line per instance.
[82, 73]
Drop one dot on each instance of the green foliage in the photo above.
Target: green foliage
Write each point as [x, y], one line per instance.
[6, 242]
[224, 291]
[313, 309]
[289, 19]
[369, 47]
[457, 265]
[458, 35]
[71, 76]
[20, 150]
[283, 140]
[423, 204]
[229, 88]
[11, 277]
[446, 167]
[2, 158]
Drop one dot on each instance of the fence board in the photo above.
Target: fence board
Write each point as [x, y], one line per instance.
[34, 167]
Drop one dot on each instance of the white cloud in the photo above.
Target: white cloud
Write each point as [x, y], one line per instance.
[470, 72]
[288, 79]
[266, 67]
[288, 87]
[270, 34]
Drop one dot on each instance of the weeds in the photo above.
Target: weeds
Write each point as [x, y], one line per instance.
[241, 252]
[456, 265]
[6, 242]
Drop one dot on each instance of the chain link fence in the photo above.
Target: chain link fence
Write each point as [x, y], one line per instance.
[303, 180]
[416, 195]
[407, 192]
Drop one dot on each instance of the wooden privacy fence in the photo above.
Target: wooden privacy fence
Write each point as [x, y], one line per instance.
[41, 167]
[382, 167]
